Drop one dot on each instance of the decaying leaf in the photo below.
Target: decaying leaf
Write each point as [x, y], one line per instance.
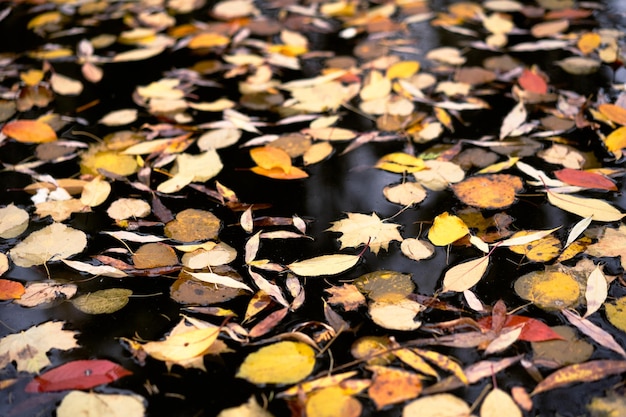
[495, 191]
[586, 207]
[28, 348]
[583, 372]
[497, 403]
[551, 289]
[192, 224]
[102, 301]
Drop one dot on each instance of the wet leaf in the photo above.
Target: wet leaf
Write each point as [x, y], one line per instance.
[39, 293]
[396, 314]
[332, 401]
[598, 334]
[52, 243]
[103, 301]
[359, 229]
[493, 191]
[586, 207]
[80, 374]
[98, 270]
[29, 131]
[65, 85]
[95, 192]
[439, 175]
[579, 65]
[249, 409]
[392, 385]
[438, 405]
[569, 350]
[583, 372]
[596, 291]
[324, 265]
[613, 112]
[465, 275]
[585, 179]
[542, 249]
[406, 194]
[125, 208]
[279, 363]
[417, 249]
[10, 290]
[183, 346]
[400, 162]
[113, 405]
[347, 296]
[385, 285]
[28, 348]
[498, 403]
[213, 278]
[154, 255]
[192, 224]
[447, 229]
[13, 221]
[550, 289]
[513, 120]
[119, 117]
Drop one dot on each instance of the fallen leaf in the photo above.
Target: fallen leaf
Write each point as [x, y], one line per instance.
[513, 120]
[498, 403]
[585, 179]
[585, 207]
[400, 162]
[447, 229]
[324, 265]
[438, 405]
[10, 290]
[359, 229]
[192, 225]
[347, 296]
[119, 117]
[417, 249]
[249, 409]
[154, 255]
[465, 275]
[332, 401]
[77, 403]
[596, 291]
[396, 314]
[549, 289]
[29, 131]
[392, 385]
[13, 221]
[40, 293]
[569, 349]
[103, 301]
[584, 372]
[406, 194]
[28, 348]
[125, 208]
[595, 332]
[579, 65]
[52, 243]
[279, 363]
[80, 374]
[613, 112]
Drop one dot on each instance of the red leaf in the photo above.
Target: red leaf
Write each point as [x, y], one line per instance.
[82, 374]
[533, 331]
[533, 82]
[585, 179]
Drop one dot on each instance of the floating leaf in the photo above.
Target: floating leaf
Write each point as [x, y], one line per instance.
[324, 265]
[359, 229]
[542, 249]
[249, 409]
[52, 243]
[28, 348]
[399, 162]
[13, 221]
[584, 372]
[513, 120]
[585, 207]
[417, 249]
[613, 112]
[585, 179]
[29, 131]
[10, 290]
[406, 194]
[550, 289]
[213, 278]
[596, 291]
[99, 270]
[103, 301]
[498, 403]
[569, 349]
[495, 191]
[447, 229]
[119, 117]
[579, 65]
[616, 313]
[80, 374]
[39, 293]
[396, 314]
[78, 403]
[192, 224]
[391, 386]
[154, 255]
[184, 346]
[465, 275]
[332, 401]
[279, 363]
[438, 405]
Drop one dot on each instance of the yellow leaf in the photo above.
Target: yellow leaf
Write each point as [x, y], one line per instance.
[330, 133]
[438, 405]
[29, 131]
[293, 173]
[465, 275]
[415, 361]
[493, 191]
[539, 250]
[51, 54]
[269, 157]
[550, 289]
[391, 386]
[402, 69]
[78, 403]
[586, 207]
[31, 77]
[447, 229]
[396, 314]
[588, 42]
[498, 403]
[616, 313]
[54, 242]
[580, 372]
[332, 402]
[183, 346]
[613, 112]
[500, 166]
[324, 265]
[280, 363]
[444, 362]
[400, 162]
[616, 140]
[95, 192]
[44, 19]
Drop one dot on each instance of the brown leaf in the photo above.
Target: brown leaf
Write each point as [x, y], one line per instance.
[584, 372]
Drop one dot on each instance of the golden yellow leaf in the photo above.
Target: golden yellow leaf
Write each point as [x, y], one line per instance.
[78, 403]
[540, 250]
[613, 112]
[500, 166]
[29, 131]
[580, 372]
[269, 157]
[492, 191]
[438, 405]
[402, 69]
[193, 224]
[444, 362]
[154, 255]
[317, 152]
[293, 173]
[31, 77]
[400, 162]
[332, 402]
[183, 346]
[111, 161]
[446, 229]
[588, 42]
[45, 18]
[616, 313]
[616, 140]
[550, 289]
[284, 362]
[330, 133]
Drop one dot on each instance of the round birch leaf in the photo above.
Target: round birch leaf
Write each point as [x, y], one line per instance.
[332, 401]
[103, 302]
[193, 224]
[385, 286]
[95, 192]
[78, 403]
[407, 193]
[498, 403]
[126, 208]
[52, 243]
[396, 315]
[417, 249]
[616, 313]
[65, 85]
[438, 405]
[447, 229]
[154, 255]
[464, 276]
[13, 221]
[550, 290]
[284, 362]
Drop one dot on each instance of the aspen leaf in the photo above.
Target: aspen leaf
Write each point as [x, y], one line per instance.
[539, 249]
[52, 243]
[317, 153]
[65, 85]
[616, 313]
[438, 405]
[78, 403]
[447, 229]
[417, 249]
[324, 265]
[465, 275]
[585, 207]
[402, 69]
[29, 131]
[103, 301]
[613, 112]
[193, 224]
[28, 348]
[438, 175]
[184, 346]
[550, 289]
[125, 208]
[588, 42]
[616, 140]
[119, 117]
[95, 192]
[332, 401]
[279, 363]
[498, 403]
[154, 255]
[596, 291]
[13, 221]
[494, 191]
[583, 372]
[400, 162]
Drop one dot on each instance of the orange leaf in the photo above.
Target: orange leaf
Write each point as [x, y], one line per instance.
[488, 191]
[208, 40]
[613, 112]
[585, 179]
[10, 290]
[588, 42]
[270, 157]
[533, 82]
[616, 140]
[29, 131]
[279, 174]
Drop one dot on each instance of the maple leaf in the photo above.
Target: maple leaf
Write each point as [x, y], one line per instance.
[28, 348]
[360, 229]
[347, 295]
